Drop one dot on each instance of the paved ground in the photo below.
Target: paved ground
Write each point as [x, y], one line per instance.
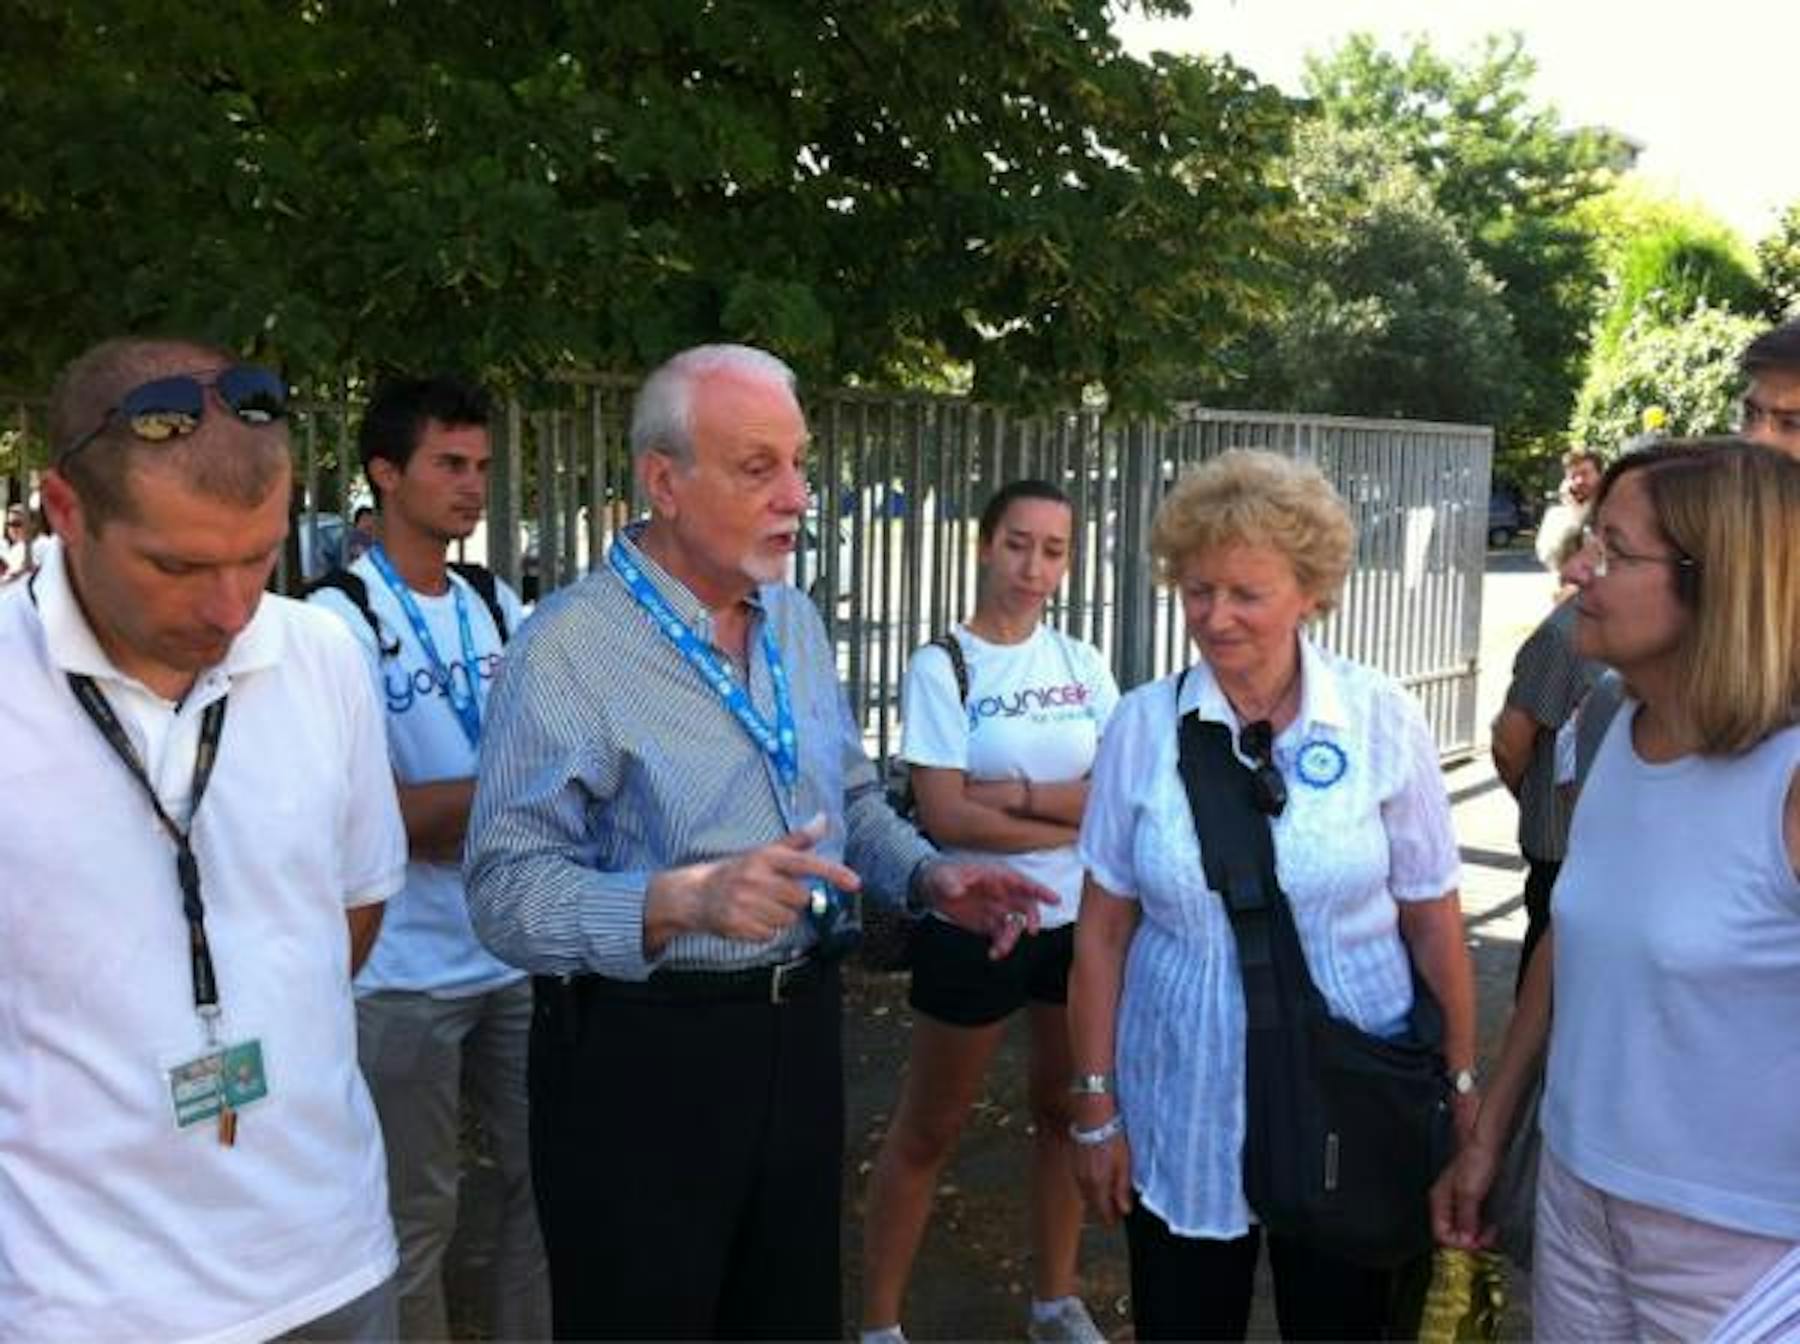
[972, 1277]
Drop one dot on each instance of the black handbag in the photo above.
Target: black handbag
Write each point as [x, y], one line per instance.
[1345, 1131]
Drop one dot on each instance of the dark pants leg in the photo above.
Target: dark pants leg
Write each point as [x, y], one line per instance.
[1196, 1288]
[1318, 1296]
[1188, 1287]
[1540, 879]
[686, 1157]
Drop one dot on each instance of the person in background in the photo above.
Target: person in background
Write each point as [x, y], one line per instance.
[24, 545]
[1669, 1182]
[1560, 528]
[361, 535]
[1550, 681]
[438, 1018]
[1769, 412]
[1256, 545]
[1000, 773]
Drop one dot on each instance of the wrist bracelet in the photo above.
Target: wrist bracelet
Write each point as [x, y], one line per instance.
[1091, 1085]
[1093, 1138]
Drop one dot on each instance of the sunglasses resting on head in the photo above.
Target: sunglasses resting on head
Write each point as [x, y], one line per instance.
[173, 407]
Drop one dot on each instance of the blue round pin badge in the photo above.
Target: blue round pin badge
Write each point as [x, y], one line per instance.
[1321, 763]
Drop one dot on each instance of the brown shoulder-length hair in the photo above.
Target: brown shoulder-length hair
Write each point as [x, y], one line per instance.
[1733, 509]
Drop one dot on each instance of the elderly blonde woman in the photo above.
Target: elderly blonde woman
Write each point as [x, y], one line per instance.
[1256, 545]
[1670, 1176]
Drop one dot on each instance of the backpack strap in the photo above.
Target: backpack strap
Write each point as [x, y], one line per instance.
[482, 580]
[953, 650]
[357, 592]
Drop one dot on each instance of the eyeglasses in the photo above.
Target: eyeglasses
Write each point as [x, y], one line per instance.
[1267, 788]
[1608, 553]
[1752, 413]
[172, 408]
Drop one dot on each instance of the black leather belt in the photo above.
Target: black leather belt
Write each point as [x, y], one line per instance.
[752, 984]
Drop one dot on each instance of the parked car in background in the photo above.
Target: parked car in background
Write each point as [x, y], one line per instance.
[1509, 513]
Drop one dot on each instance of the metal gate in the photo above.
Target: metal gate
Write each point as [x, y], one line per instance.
[888, 551]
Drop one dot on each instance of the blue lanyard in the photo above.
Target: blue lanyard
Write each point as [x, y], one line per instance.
[468, 708]
[777, 743]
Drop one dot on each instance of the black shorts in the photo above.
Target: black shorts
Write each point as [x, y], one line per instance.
[955, 981]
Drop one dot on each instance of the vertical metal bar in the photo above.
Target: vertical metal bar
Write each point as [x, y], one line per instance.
[598, 497]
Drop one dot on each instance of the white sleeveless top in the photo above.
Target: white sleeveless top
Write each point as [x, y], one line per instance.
[1674, 1076]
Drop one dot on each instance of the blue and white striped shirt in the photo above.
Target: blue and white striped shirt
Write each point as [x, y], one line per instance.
[607, 759]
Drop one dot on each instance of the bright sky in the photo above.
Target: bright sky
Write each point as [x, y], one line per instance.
[1705, 88]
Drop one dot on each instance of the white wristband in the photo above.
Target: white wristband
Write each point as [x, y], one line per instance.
[1104, 1133]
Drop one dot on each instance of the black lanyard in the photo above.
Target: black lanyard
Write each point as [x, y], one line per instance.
[187, 868]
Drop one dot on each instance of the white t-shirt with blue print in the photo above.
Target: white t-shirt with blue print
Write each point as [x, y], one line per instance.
[1036, 711]
[427, 943]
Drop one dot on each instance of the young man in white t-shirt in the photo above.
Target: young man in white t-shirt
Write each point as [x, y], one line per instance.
[439, 1016]
[200, 829]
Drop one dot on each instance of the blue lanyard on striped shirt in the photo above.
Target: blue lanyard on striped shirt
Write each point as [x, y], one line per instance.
[467, 707]
[778, 742]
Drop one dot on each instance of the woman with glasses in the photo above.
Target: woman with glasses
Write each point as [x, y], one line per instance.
[1000, 750]
[1256, 545]
[1669, 1182]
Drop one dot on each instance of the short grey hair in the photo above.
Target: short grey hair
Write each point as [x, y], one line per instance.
[662, 417]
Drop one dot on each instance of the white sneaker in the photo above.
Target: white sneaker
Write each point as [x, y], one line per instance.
[1068, 1324]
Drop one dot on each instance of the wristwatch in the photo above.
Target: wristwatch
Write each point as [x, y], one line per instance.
[1464, 1081]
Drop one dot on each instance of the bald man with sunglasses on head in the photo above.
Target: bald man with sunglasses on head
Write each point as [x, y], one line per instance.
[200, 829]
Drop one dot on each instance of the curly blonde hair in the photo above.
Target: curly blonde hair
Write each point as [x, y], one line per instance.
[1255, 498]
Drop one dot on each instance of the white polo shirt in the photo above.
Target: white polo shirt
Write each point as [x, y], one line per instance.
[113, 1222]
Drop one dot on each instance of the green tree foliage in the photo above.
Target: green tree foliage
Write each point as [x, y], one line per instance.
[1778, 257]
[1687, 368]
[1388, 314]
[1666, 274]
[874, 190]
[1510, 176]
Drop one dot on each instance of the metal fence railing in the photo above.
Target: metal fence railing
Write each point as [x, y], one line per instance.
[888, 550]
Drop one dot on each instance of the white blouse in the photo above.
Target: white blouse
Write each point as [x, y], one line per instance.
[1367, 825]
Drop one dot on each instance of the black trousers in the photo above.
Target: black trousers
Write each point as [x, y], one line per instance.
[1540, 880]
[1196, 1288]
[687, 1158]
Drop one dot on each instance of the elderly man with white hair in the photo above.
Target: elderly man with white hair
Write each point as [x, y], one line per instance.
[673, 811]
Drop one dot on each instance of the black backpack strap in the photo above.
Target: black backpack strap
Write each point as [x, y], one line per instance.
[1238, 854]
[354, 589]
[482, 580]
[953, 650]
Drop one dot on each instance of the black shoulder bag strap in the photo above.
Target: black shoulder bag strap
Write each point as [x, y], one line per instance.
[1238, 855]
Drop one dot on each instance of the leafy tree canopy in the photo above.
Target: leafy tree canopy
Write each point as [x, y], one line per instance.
[1389, 314]
[1510, 175]
[1687, 369]
[1665, 274]
[873, 190]
[1779, 258]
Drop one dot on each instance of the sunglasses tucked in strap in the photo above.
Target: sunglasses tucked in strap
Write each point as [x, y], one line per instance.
[1268, 789]
[172, 407]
